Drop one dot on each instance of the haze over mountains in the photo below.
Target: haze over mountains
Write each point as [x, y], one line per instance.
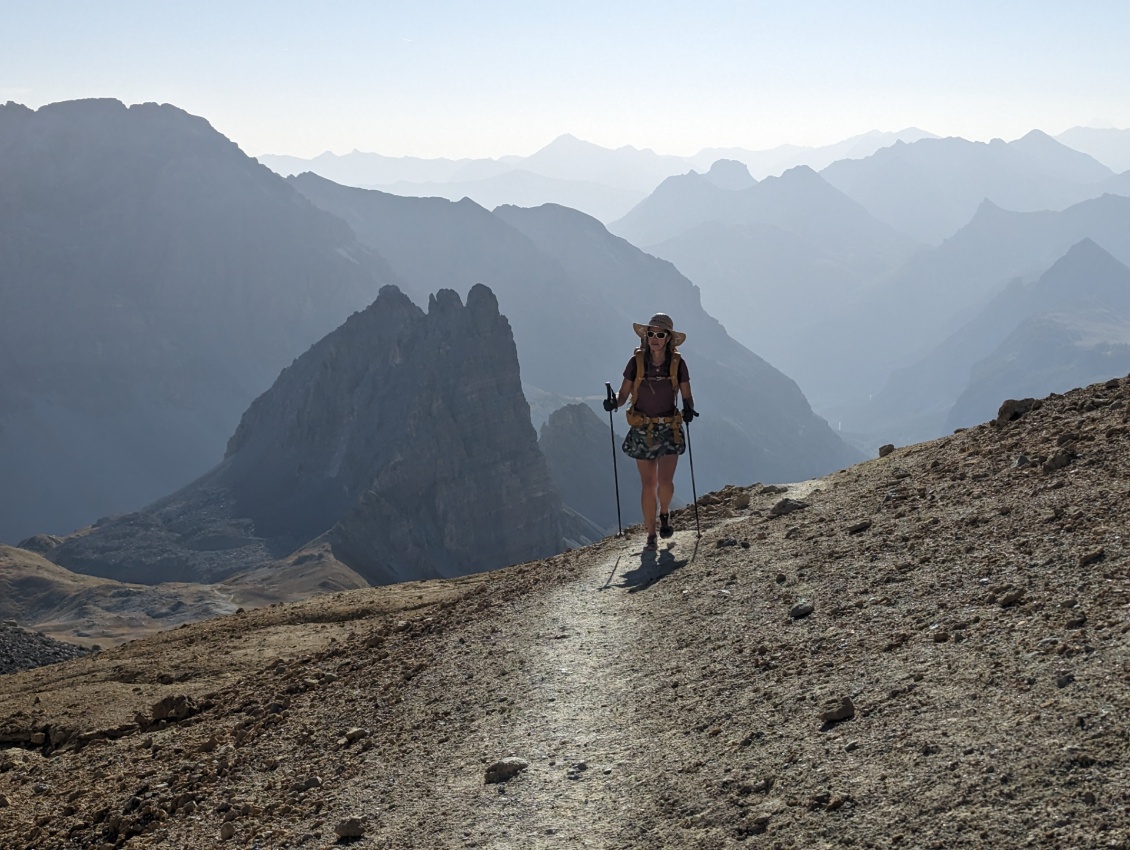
[842, 278]
[936, 292]
[931, 188]
[572, 291]
[197, 327]
[606, 183]
[1034, 337]
[568, 171]
[154, 280]
[840, 256]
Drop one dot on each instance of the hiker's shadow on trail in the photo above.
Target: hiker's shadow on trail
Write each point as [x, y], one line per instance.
[653, 566]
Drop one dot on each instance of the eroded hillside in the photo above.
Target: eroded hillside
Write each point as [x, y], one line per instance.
[930, 649]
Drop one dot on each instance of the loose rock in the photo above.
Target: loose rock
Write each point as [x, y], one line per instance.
[1013, 409]
[506, 769]
[787, 506]
[1092, 556]
[1059, 460]
[802, 609]
[349, 828]
[836, 710]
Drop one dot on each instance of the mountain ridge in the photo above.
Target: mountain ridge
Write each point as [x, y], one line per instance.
[401, 441]
[155, 281]
[555, 268]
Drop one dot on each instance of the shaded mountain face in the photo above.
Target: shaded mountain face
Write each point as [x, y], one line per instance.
[1022, 343]
[154, 280]
[571, 291]
[1071, 328]
[933, 294]
[932, 187]
[800, 201]
[580, 450]
[402, 440]
[775, 259]
[759, 426]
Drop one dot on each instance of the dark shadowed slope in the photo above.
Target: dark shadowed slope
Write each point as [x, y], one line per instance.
[937, 291]
[154, 280]
[402, 440]
[1087, 285]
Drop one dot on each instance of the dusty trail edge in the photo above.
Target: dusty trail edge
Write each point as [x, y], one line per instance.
[570, 704]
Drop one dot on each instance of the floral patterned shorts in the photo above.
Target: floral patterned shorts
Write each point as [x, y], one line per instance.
[662, 442]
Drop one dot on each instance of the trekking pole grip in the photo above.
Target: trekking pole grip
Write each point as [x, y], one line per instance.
[615, 472]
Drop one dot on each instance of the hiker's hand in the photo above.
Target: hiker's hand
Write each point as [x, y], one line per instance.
[689, 412]
[610, 404]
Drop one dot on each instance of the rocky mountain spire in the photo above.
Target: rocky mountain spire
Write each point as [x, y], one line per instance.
[402, 440]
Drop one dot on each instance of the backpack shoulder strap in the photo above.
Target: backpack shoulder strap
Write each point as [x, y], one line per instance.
[639, 372]
[676, 359]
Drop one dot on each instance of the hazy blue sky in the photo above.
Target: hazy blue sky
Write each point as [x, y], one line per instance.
[494, 77]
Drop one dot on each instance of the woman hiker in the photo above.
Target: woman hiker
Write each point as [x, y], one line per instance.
[654, 378]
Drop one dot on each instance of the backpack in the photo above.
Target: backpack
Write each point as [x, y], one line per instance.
[638, 420]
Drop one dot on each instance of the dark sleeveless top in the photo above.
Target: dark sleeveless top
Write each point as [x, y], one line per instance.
[656, 396]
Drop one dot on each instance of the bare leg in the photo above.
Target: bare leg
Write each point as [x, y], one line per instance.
[666, 482]
[649, 480]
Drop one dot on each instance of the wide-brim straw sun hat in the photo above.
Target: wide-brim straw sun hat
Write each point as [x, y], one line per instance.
[660, 320]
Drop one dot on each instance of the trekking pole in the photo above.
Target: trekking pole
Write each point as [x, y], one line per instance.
[694, 492]
[615, 471]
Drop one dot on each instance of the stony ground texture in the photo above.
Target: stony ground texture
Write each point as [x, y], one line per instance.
[931, 649]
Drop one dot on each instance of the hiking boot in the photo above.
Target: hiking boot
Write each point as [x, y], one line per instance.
[651, 545]
[665, 529]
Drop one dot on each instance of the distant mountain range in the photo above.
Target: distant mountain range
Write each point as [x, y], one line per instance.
[772, 257]
[601, 182]
[930, 188]
[606, 183]
[1046, 333]
[778, 160]
[937, 291]
[1111, 147]
[835, 277]
[526, 189]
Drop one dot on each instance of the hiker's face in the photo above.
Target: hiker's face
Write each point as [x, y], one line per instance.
[656, 338]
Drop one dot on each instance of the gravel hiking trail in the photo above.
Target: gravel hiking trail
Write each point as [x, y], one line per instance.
[569, 685]
[560, 676]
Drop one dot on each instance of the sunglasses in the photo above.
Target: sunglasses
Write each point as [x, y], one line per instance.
[657, 334]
